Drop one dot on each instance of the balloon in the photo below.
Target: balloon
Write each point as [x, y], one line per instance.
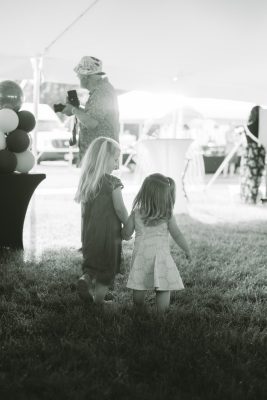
[26, 120]
[8, 161]
[30, 144]
[11, 95]
[25, 161]
[17, 141]
[2, 141]
[9, 120]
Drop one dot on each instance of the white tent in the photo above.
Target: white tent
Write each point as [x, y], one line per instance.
[193, 48]
[140, 105]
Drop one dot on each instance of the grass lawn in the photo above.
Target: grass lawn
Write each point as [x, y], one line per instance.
[211, 344]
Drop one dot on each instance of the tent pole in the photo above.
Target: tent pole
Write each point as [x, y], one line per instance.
[180, 120]
[177, 118]
[174, 121]
[37, 65]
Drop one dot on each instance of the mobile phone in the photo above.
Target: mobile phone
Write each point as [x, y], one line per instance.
[73, 98]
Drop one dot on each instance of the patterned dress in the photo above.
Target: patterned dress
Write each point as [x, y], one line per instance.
[251, 171]
[101, 235]
[102, 105]
[152, 265]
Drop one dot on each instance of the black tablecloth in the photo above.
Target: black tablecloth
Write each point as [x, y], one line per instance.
[212, 163]
[16, 191]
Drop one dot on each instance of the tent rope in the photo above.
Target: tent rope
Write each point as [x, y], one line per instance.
[70, 26]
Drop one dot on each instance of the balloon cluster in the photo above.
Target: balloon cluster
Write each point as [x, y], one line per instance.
[15, 125]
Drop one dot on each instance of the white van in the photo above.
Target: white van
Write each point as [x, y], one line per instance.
[52, 138]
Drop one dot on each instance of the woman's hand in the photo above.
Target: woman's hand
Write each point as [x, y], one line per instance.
[68, 110]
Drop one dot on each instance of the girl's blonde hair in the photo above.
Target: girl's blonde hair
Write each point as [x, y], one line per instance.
[155, 200]
[94, 166]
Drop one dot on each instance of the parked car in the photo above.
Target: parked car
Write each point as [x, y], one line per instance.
[52, 138]
[128, 150]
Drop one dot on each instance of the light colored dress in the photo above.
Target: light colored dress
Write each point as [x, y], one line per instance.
[152, 265]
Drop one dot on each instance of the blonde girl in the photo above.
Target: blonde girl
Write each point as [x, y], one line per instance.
[103, 213]
[152, 219]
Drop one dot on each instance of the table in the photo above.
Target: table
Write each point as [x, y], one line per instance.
[16, 191]
[165, 156]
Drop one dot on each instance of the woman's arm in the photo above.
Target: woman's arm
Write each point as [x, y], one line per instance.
[80, 113]
[178, 237]
[119, 206]
[128, 228]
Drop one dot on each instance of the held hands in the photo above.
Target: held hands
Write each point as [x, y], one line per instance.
[127, 237]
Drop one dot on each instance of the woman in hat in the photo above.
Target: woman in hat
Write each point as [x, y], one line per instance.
[100, 116]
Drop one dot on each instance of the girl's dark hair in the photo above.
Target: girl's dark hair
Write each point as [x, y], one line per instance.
[253, 121]
[155, 200]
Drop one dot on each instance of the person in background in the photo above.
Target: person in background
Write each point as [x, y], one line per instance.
[252, 161]
[153, 267]
[100, 116]
[103, 213]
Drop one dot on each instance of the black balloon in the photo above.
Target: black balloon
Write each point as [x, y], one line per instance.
[8, 161]
[18, 141]
[26, 120]
[11, 95]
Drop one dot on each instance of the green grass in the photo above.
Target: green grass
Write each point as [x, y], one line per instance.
[211, 344]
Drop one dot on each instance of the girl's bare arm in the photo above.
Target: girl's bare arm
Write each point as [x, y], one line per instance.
[119, 205]
[128, 228]
[177, 236]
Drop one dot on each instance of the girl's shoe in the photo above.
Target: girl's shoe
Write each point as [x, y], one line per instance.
[83, 288]
[109, 297]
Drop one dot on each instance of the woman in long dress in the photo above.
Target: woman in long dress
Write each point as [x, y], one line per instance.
[252, 161]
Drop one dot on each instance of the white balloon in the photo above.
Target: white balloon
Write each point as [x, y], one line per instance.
[2, 141]
[25, 161]
[9, 120]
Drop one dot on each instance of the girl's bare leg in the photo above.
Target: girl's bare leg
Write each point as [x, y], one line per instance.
[85, 287]
[163, 300]
[139, 297]
[100, 292]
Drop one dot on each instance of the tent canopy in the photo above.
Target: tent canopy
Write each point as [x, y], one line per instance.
[207, 48]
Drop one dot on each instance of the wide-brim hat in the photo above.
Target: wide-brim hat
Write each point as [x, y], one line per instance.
[89, 66]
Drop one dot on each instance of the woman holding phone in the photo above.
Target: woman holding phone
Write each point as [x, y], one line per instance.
[100, 116]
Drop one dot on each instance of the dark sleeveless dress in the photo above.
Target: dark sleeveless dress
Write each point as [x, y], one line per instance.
[101, 237]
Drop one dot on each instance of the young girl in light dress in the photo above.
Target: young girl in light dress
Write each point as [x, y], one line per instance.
[103, 213]
[152, 219]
